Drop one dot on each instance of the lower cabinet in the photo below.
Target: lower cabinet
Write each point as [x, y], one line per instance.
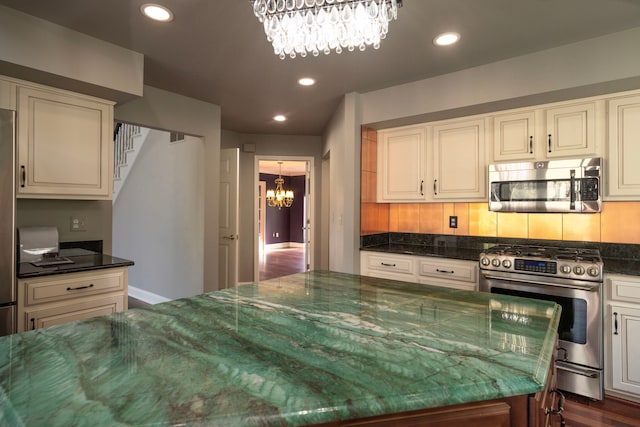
[622, 336]
[449, 273]
[50, 300]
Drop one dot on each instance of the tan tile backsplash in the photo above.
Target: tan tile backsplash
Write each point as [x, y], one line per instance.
[619, 222]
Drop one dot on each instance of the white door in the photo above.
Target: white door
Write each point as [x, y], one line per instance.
[228, 206]
[308, 232]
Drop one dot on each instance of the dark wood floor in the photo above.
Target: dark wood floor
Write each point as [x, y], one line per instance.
[281, 262]
[610, 412]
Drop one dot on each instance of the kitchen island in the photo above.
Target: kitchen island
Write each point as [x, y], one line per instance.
[311, 348]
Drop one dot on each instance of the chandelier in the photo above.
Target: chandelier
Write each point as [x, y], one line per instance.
[279, 197]
[298, 27]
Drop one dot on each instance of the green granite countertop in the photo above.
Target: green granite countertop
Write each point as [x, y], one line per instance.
[304, 349]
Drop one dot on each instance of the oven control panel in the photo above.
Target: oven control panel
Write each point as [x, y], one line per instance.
[536, 266]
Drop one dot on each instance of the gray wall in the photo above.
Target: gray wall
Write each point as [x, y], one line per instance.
[158, 217]
[159, 109]
[268, 145]
[97, 215]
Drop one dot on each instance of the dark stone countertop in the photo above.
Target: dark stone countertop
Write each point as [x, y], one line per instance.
[83, 260]
[629, 267]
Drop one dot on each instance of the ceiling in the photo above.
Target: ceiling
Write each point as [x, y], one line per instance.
[216, 51]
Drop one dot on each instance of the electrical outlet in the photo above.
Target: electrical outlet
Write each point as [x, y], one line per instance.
[78, 223]
[453, 221]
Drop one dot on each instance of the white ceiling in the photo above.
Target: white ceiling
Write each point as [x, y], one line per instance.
[289, 168]
[216, 51]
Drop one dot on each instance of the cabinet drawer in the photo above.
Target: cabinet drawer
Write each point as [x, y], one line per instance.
[43, 318]
[395, 264]
[39, 291]
[447, 269]
[624, 289]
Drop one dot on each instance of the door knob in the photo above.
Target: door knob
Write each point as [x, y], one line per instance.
[230, 237]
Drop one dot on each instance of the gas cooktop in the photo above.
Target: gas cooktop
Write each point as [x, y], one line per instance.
[574, 263]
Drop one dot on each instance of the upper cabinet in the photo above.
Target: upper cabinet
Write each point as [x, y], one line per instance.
[401, 164]
[459, 171]
[623, 157]
[563, 130]
[440, 161]
[574, 130]
[65, 145]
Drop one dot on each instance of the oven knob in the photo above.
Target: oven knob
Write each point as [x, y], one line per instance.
[565, 269]
[506, 263]
[495, 262]
[593, 271]
[579, 270]
[485, 261]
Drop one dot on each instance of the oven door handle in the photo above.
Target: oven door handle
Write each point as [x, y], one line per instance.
[511, 278]
[589, 373]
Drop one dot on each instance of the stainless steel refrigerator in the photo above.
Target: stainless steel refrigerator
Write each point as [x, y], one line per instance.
[7, 223]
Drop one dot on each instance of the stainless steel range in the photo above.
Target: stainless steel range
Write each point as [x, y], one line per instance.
[572, 278]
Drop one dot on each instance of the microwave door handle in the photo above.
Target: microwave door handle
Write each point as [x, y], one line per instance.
[572, 190]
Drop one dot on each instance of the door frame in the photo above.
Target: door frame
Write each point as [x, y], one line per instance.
[309, 220]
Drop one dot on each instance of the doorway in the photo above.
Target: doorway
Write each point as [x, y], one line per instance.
[284, 237]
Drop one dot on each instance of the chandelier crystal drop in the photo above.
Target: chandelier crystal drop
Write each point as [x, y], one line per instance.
[299, 27]
[279, 197]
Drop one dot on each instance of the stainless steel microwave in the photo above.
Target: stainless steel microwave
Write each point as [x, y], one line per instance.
[548, 186]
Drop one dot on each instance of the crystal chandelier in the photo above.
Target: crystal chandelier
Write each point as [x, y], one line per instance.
[279, 197]
[298, 27]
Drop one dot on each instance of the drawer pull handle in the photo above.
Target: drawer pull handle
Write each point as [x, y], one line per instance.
[23, 176]
[80, 287]
[387, 265]
[444, 271]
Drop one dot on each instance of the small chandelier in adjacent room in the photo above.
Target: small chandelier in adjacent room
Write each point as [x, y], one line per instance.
[298, 27]
[279, 197]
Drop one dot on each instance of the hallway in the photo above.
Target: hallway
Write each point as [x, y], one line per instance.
[281, 262]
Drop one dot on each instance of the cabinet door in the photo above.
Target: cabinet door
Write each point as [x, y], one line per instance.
[624, 150]
[459, 160]
[625, 348]
[514, 136]
[401, 164]
[573, 130]
[43, 318]
[64, 145]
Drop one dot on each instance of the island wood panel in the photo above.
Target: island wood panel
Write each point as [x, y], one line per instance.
[507, 412]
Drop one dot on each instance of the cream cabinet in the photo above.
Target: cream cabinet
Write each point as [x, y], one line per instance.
[622, 336]
[445, 272]
[574, 129]
[515, 135]
[49, 300]
[65, 144]
[7, 94]
[459, 162]
[623, 156]
[401, 164]
[562, 130]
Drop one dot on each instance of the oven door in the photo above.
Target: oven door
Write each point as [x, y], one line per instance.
[580, 328]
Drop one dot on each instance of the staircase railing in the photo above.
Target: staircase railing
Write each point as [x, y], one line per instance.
[123, 143]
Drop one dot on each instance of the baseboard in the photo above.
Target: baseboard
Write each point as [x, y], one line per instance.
[284, 245]
[146, 296]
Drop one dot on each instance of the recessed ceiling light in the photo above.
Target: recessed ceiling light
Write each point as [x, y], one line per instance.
[279, 118]
[157, 12]
[306, 81]
[446, 39]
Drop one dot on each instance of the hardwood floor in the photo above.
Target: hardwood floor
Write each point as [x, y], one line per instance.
[610, 412]
[135, 303]
[281, 262]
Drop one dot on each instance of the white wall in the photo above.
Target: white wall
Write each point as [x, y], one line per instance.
[341, 142]
[160, 109]
[158, 217]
